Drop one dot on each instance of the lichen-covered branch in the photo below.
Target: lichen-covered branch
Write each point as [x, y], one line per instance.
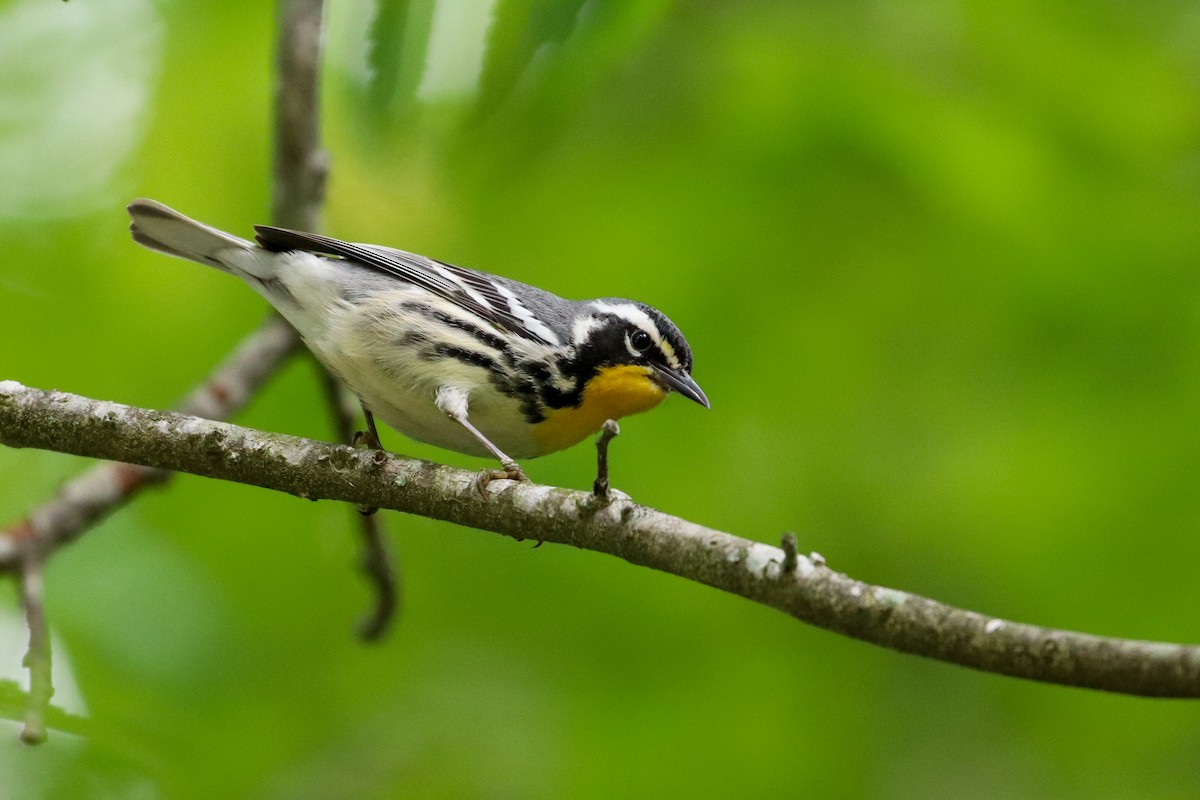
[806, 589]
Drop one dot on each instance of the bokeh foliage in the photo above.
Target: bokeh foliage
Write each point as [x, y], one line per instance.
[938, 261]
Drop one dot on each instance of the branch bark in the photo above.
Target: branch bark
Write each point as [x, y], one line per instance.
[805, 589]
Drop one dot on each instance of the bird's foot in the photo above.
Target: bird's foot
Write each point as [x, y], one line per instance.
[512, 472]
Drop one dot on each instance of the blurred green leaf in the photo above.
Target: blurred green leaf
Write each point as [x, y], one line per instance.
[546, 58]
[398, 42]
[522, 41]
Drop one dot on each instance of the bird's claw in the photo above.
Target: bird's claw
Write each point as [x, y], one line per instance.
[512, 472]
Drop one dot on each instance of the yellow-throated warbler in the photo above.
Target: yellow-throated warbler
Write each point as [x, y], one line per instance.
[461, 359]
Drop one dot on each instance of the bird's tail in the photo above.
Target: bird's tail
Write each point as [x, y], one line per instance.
[166, 230]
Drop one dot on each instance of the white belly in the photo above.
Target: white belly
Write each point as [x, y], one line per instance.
[408, 405]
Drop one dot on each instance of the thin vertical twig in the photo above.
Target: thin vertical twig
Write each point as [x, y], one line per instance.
[301, 166]
[37, 657]
[301, 173]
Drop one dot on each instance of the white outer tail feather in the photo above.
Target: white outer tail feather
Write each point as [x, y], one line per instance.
[164, 229]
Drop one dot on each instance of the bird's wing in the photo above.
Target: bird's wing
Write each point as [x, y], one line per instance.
[470, 290]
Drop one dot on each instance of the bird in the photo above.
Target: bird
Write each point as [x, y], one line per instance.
[462, 359]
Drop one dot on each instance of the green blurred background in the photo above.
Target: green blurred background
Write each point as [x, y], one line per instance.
[938, 264]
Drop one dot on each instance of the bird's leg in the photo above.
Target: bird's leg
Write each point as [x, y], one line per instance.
[511, 469]
[453, 401]
[368, 439]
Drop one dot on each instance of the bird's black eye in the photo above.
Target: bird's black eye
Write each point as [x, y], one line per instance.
[640, 341]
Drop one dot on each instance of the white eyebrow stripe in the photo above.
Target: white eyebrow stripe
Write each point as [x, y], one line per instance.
[632, 314]
[532, 323]
[636, 316]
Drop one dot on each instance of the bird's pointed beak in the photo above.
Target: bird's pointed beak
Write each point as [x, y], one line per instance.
[683, 383]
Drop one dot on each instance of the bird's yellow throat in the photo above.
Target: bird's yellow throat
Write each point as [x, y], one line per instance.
[613, 393]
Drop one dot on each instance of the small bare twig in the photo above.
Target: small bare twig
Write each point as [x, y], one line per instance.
[37, 657]
[608, 432]
[14, 703]
[376, 564]
[790, 556]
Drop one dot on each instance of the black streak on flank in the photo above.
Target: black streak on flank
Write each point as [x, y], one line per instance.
[491, 340]
[466, 356]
